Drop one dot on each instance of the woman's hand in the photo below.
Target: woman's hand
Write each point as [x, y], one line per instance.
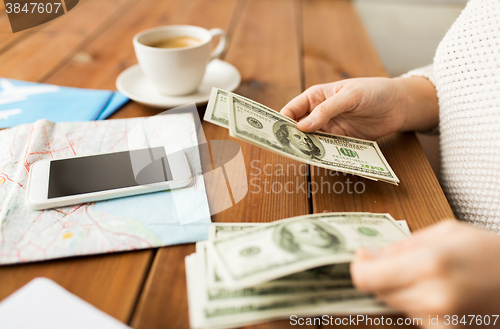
[366, 108]
[449, 269]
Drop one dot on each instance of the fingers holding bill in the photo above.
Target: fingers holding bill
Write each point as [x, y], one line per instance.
[319, 104]
[304, 103]
[320, 116]
[421, 299]
[380, 273]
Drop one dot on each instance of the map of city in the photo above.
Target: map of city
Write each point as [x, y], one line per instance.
[138, 222]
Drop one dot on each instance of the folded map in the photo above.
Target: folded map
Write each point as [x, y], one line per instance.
[137, 222]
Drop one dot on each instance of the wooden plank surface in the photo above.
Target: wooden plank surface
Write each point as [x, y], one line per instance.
[335, 43]
[36, 56]
[270, 69]
[336, 46]
[163, 302]
[110, 282]
[98, 64]
[7, 38]
[279, 46]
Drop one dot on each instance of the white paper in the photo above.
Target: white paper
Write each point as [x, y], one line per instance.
[42, 304]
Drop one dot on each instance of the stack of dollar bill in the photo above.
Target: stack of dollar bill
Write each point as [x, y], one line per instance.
[266, 128]
[253, 272]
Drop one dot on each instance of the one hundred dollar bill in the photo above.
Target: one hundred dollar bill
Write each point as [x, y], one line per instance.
[217, 111]
[404, 226]
[297, 244]
[222, 230]
[325, 276]
[226, 308]
[329, 275]
[217, 108]
[322, 290]
[317, 280]
[264, 127]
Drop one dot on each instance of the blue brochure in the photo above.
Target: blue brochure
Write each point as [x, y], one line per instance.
[25, 102]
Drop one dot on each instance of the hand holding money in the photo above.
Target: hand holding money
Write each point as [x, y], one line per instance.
[266, 128]
[367, 108]
[251, 272]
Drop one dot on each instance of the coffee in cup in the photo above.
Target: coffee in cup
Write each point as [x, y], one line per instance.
[175, 57]
[176, 42]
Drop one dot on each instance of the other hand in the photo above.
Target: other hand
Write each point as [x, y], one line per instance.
[449, 269]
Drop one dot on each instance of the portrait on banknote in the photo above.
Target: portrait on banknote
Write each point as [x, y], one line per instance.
[308, 237]
[297, 142]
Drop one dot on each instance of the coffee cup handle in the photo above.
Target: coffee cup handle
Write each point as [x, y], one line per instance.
[221, 47]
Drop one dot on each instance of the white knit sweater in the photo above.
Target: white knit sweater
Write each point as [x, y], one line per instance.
[466, 73]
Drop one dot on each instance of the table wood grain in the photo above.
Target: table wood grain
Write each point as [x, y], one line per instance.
[347, 52]
[271, 77]
[280, 47]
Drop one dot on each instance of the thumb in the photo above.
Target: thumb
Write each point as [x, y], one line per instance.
[331, 107]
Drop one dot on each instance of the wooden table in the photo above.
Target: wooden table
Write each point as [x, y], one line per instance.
[280, 47]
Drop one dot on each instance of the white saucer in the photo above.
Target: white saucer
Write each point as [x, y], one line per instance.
[133, 84]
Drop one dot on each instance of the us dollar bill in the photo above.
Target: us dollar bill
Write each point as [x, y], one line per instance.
[266, 128]
[318, 280]
[297, 244]
[217, 108]
[326, 276]
[217, 111]
[222, 230]
[322, 290]
[329, 275]
[236, 308]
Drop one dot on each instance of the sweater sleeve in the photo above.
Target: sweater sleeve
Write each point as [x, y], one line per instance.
[426, 72]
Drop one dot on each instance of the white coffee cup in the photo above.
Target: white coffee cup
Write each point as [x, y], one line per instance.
[177, 71]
